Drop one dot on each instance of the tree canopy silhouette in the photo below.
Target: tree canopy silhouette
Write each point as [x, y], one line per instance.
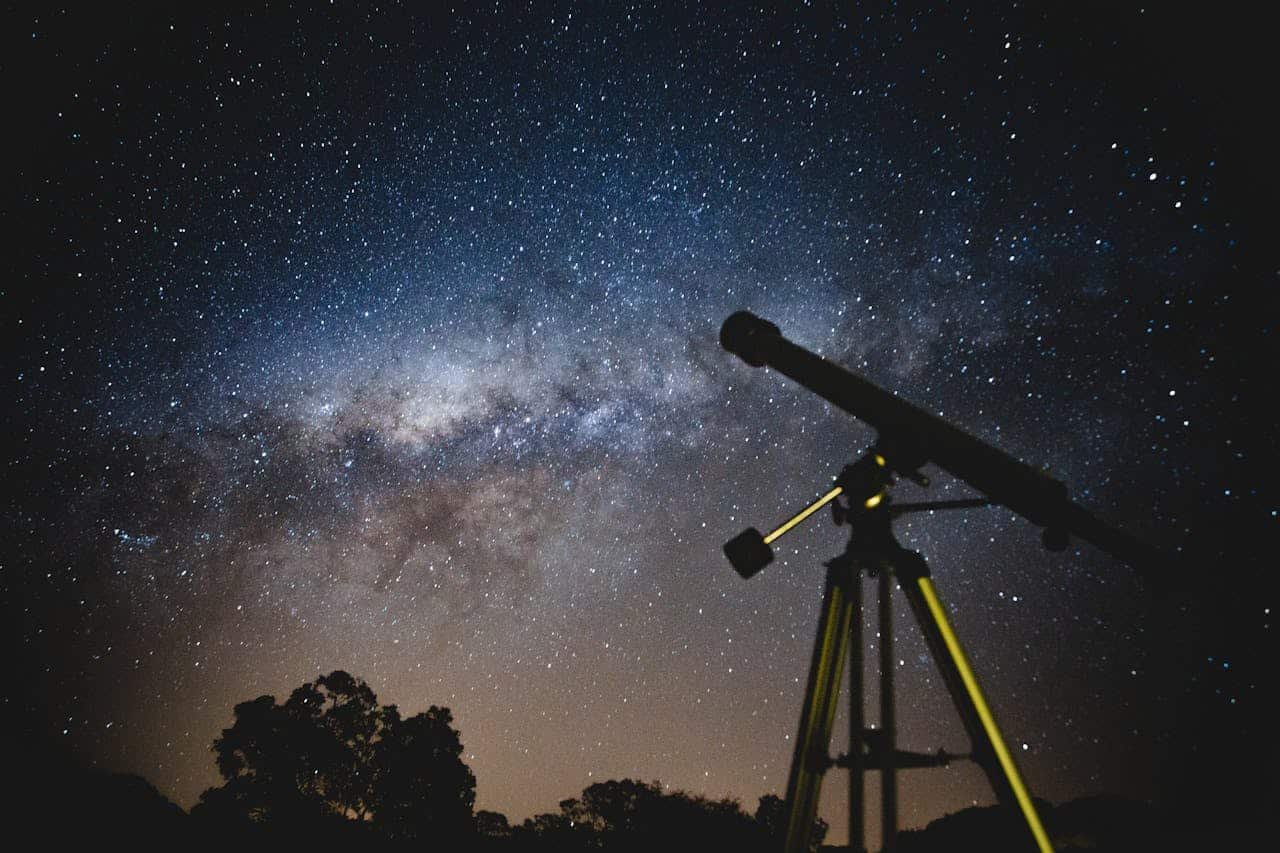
[421, 784]
[331, 752]
[624, 815]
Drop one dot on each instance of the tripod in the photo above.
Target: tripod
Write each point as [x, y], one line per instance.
[872, 549]
[908, 438]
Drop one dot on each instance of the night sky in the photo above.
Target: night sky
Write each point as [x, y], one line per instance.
[387, 341]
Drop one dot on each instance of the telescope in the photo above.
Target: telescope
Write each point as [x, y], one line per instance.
[910, 437]
[907, 439]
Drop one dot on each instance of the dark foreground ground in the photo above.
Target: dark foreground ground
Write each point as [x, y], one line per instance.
[73, 808]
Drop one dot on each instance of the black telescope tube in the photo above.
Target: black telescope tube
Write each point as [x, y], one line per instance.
[1025, 490]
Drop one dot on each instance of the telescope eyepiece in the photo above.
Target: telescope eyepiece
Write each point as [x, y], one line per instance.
[746, 335]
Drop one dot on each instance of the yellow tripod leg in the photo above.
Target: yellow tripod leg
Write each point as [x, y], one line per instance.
[808, 762]
[977, 704]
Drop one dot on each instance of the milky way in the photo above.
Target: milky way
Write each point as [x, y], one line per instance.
[362, 340]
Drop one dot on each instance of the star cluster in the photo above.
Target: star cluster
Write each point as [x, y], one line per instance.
[386, 341]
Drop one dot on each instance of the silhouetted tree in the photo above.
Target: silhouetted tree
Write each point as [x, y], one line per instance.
[357, 727]
[332, 753]
[554, 831]
[625, 815]
[771, 817]
[271, 759]
[492, 825]
[421, 786]
[309, 757]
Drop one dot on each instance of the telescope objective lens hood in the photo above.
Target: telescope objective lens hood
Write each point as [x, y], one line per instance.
[746, 335]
